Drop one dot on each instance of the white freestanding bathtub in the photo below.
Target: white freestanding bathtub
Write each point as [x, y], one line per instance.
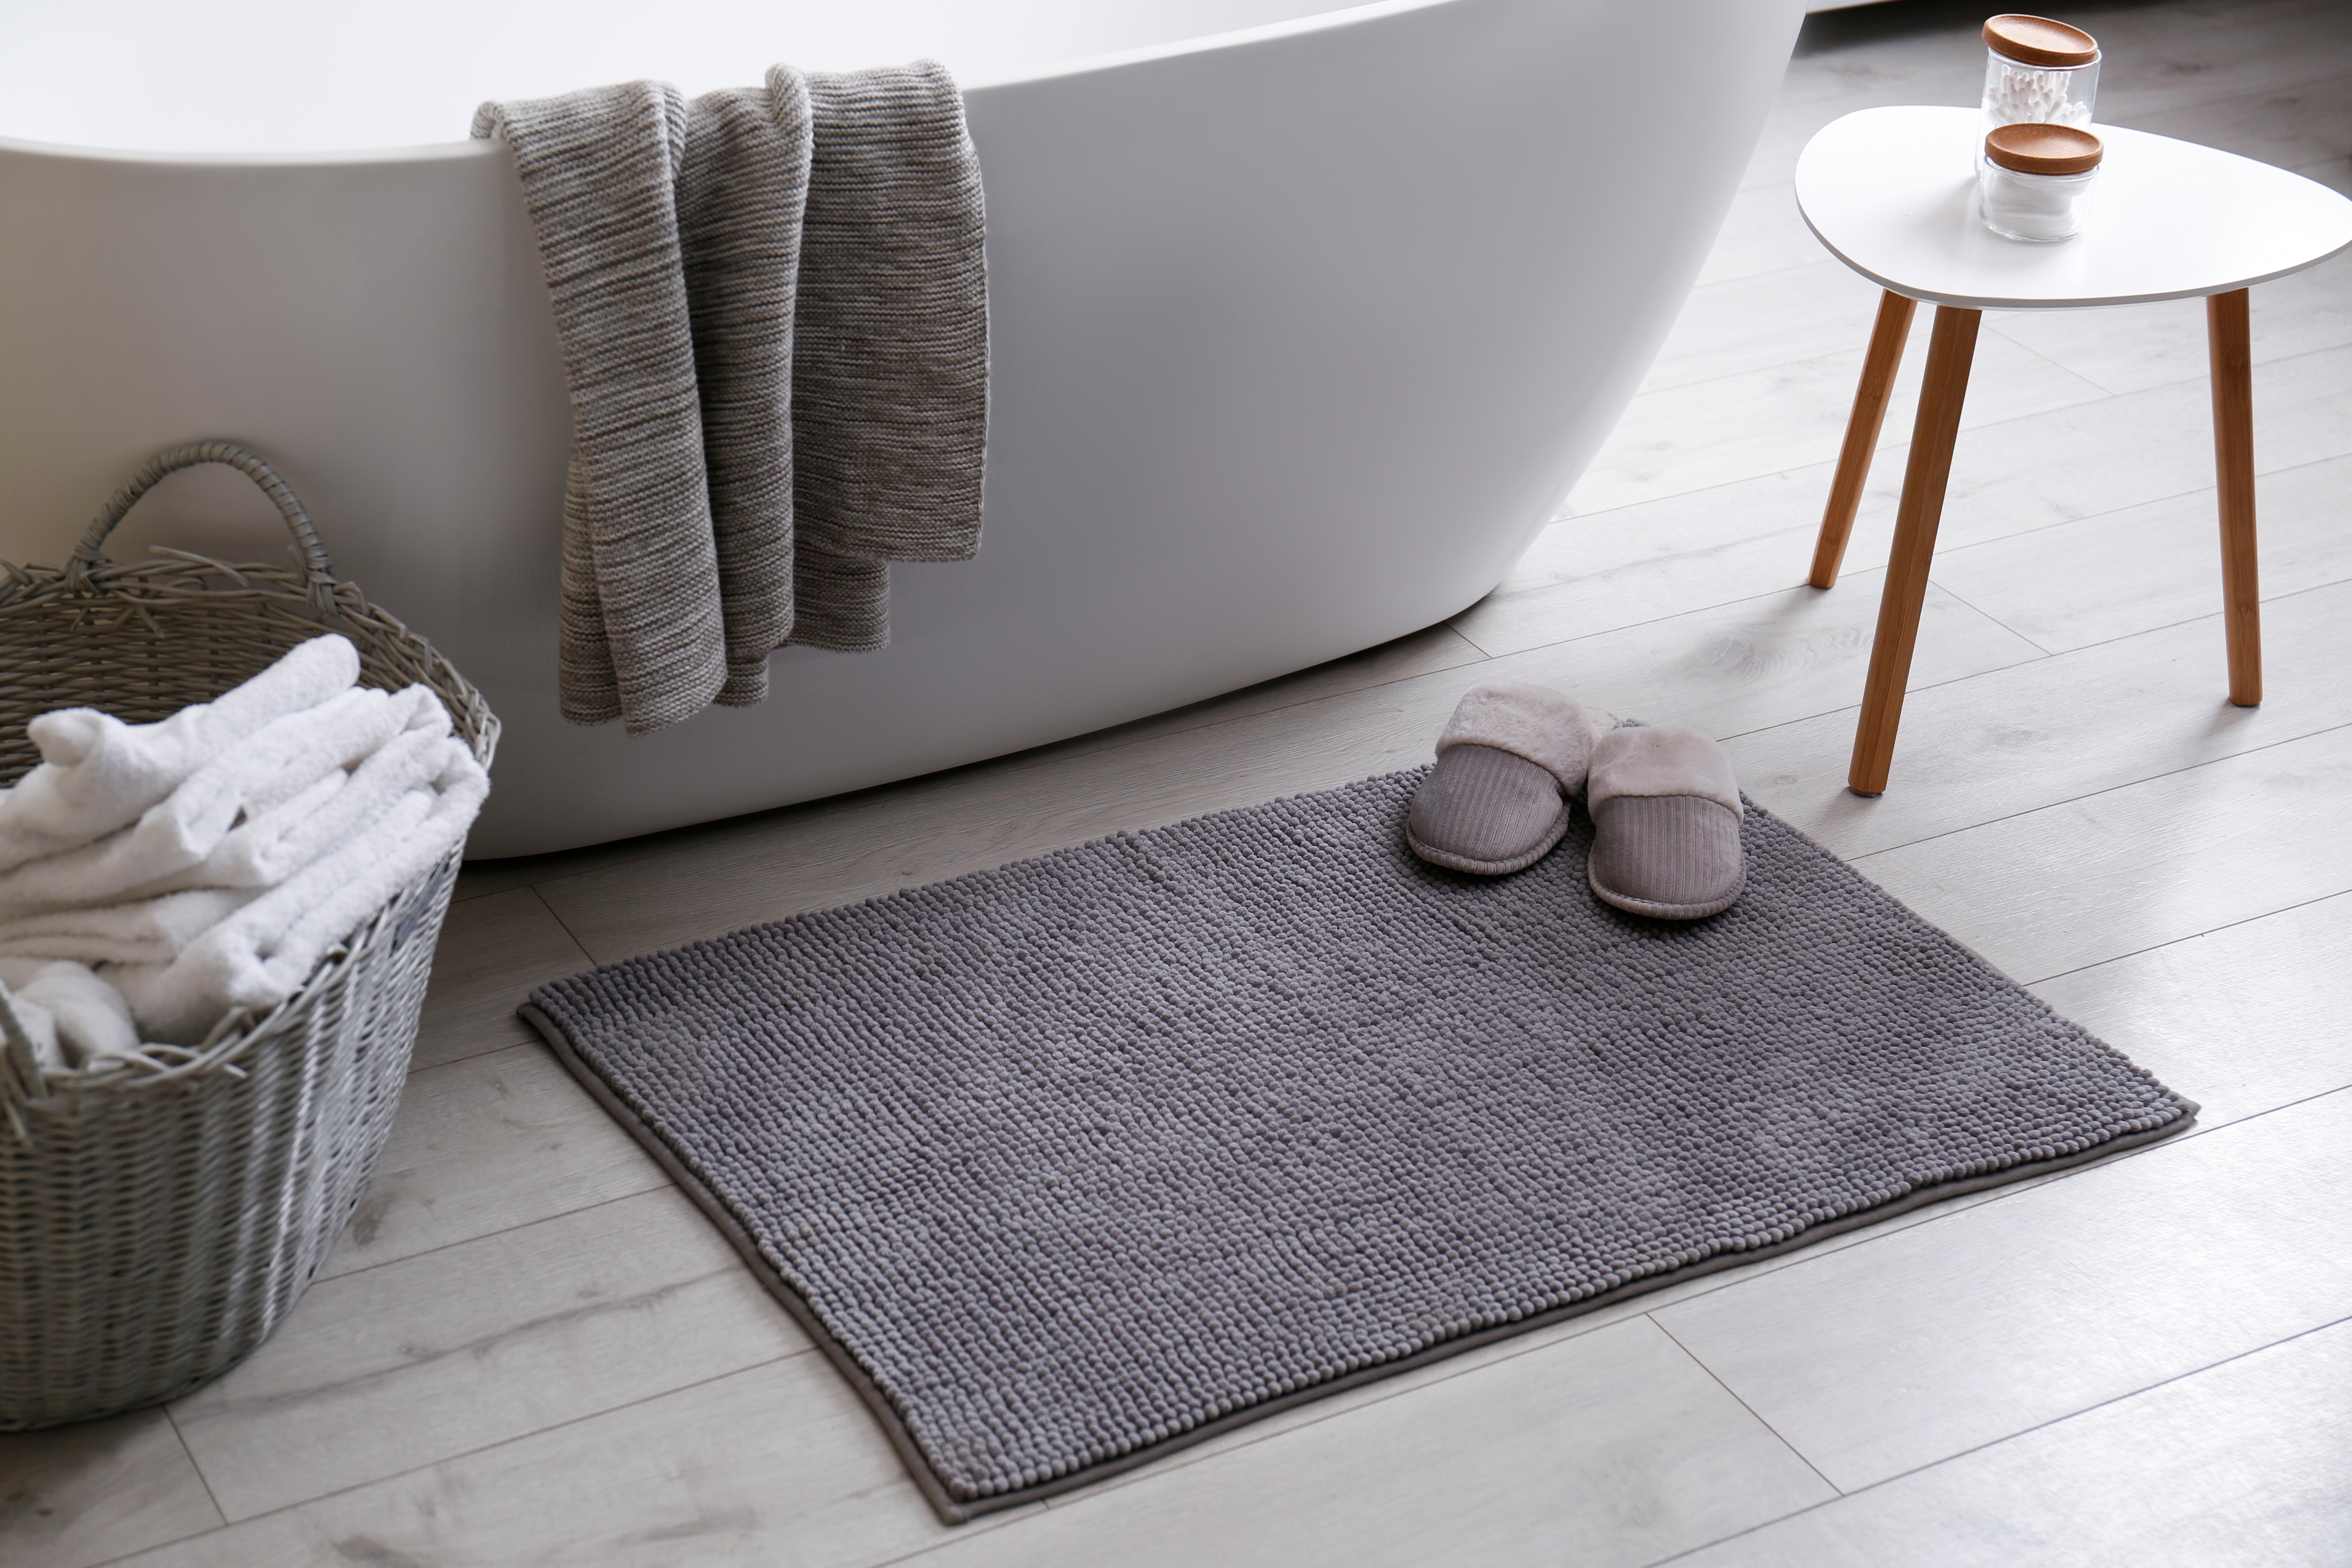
[1300, 331]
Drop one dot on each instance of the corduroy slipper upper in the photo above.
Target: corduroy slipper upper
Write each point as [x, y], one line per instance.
[1665, 823]
[1510, 759]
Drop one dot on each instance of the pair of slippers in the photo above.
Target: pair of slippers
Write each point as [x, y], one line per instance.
[1513, 758]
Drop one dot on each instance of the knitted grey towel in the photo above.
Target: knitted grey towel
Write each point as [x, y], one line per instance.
[756, 271]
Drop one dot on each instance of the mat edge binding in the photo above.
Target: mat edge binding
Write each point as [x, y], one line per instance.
[952, 1510]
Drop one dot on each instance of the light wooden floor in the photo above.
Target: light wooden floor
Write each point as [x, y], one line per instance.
[531, 1350]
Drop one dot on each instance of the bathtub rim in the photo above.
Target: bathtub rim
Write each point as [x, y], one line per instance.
[433, 151]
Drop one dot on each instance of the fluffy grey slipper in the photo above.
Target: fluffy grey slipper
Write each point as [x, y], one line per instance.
[1665, 823]
[1510, 758]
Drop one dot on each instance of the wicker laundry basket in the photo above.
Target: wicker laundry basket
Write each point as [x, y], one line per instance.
[157, 1219]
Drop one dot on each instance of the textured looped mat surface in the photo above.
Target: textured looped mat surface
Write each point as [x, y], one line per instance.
[1075, 1160]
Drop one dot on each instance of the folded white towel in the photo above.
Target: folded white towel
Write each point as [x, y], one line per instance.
[151, 931]
[255, 956]
[98, 774]
[71, 1016]
[275, 843]
[253, 816]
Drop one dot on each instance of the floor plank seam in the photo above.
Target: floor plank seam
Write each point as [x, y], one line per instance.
[2279, 598]
[1804, 535]
[2005, 1438]
[2291, 88]
[2047, 651]
[1779, 1435]
[1933, 1214]
[1863, 569]
[2085, 648]
[1766, 272]
[2019, 343]
[2193, 936]
[1023, 762]
[957, 1536]
[1895, 436]
[1886, 454]
[416, 1067]
[203, 1479]
[417, 1071]
[1015, 762]
[1574, 516]
[1856, 861]
[1774, 592]
[467, 1453]
[664, 1185]
[1882, 455]
[2206, 490]
[556, 915]
[2314, 1098]
[476, 1348]
[1452, 625]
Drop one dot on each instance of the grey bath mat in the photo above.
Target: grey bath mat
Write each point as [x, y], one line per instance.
[1078, 1160]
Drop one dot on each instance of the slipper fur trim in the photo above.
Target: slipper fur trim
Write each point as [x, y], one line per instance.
[1520, 862]
[1665, 760]
[1548, 728]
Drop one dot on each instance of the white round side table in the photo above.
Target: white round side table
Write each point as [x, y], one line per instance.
[1891, 194]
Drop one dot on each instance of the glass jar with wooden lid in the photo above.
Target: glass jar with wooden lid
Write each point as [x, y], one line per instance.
[2034, 182]
[2039, 72]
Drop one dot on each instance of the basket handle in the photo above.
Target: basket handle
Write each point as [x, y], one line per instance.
[316, 571]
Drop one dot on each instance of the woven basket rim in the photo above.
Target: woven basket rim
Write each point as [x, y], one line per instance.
[181, 581]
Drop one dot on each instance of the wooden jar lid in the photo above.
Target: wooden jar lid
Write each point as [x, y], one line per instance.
[2044, 149]
[2039, 41]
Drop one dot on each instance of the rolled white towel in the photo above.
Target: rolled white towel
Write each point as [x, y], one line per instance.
[98, 774]
[151, 931]
[253, 816]
[71, 1016]
[258, 955]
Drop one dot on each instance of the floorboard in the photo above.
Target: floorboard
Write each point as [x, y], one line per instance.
[78, 1495]
[2130, 348]
[2155, 565]
[1621, 1449]
[2251, 1014]
[778, 1464]
[1710, 433]
[417, 1360]
[1996, 746]
[1745, 666]
[489, 945]
[486, 1144]
[2239, 1465]
[1879, 1359]
[2104, 875]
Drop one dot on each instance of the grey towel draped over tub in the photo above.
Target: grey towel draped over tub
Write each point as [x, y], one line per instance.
[773, 303]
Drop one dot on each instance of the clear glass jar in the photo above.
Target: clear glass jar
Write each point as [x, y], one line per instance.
[2034, 182]
[2039, 207]
[2039, 72]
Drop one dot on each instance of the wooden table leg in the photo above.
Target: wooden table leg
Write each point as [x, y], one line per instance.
[1878, 368]
[1951, 347]
[2233, 467]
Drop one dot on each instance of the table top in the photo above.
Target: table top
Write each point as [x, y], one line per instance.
[1891, 193]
